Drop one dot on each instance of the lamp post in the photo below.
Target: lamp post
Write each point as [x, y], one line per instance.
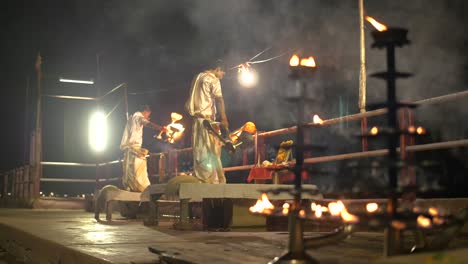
[300, 71]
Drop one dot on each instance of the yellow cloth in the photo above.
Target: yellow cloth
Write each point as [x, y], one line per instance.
[135, 174]
[207, 165]
[205, 88]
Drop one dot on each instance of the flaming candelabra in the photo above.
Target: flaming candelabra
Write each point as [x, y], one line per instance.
[389, 216]
[301, 71]
[389, 38]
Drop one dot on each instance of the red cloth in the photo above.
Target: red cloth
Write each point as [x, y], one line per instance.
[258, 173]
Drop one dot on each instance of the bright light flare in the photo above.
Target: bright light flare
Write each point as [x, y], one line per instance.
[377, 25]
[317, 120]
[76, 81]
[97, 131]
[374, 131]
[247, 76]
[372, 207]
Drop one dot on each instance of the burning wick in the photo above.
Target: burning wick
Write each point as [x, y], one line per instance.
[377, 25]
[372, 207]
[309, 62]
[302, 213]
[424, 222]
[318, 211]
[174, 130]
[262, 206]
[317, 120]
[420, 130]
[294, 61]
[335, 208]
[433, 211]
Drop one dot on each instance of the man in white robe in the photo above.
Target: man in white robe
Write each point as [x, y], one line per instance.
[135, 174]
[205, 99]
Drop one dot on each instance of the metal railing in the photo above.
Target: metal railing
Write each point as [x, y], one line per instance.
[22, 182]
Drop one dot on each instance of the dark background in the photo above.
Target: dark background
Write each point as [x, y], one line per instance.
[156, 47]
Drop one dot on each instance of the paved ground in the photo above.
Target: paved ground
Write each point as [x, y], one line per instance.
[73, 236]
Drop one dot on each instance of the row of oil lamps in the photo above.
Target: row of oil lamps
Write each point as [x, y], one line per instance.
[372, 214]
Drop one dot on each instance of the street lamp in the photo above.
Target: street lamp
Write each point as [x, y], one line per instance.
[76, 81]
[97, 131]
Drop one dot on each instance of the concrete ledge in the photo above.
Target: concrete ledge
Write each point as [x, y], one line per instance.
[34, 249]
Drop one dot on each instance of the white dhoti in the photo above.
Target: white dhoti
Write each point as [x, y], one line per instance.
[135, 174]
[207, 164]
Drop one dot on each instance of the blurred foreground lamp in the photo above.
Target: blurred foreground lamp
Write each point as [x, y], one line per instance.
[97, 131]
[76, 81]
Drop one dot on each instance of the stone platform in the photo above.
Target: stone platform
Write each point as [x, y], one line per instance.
[73, 236]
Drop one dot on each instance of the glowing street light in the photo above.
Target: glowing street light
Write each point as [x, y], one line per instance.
[247, 77]
[97, 131]
[76, 81]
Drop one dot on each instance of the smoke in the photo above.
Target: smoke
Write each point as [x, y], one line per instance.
[175, 40]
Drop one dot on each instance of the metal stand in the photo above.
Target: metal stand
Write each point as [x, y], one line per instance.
[296, 250]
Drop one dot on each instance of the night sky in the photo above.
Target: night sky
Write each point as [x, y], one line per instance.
[156, 47]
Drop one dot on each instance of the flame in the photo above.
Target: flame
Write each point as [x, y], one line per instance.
[285, 211]
[372, 207]
[420, 130]
[347, 217]
[374, 131]
[286, 206]
[433, 211]
[398, 224]
[313, 206]
[317, 120]
[262, 206]
[302, 213]
[309, 62]
[438, 220]
[335, 208]
[176, 117]
[294, 61]
[174, 130]
[424, 222]
[318, 211]
[377, 25]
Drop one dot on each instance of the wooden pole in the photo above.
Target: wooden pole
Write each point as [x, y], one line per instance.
[362, 75]
[38, 137]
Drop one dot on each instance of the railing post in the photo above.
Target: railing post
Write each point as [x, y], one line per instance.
[21, 182]
[37, 180]
[13, 183]
[26, 182]
[408, 176]
[31, 183]
[162, 167]
[5, 184]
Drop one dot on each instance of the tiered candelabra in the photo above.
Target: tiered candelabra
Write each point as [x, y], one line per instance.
[388, 216]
